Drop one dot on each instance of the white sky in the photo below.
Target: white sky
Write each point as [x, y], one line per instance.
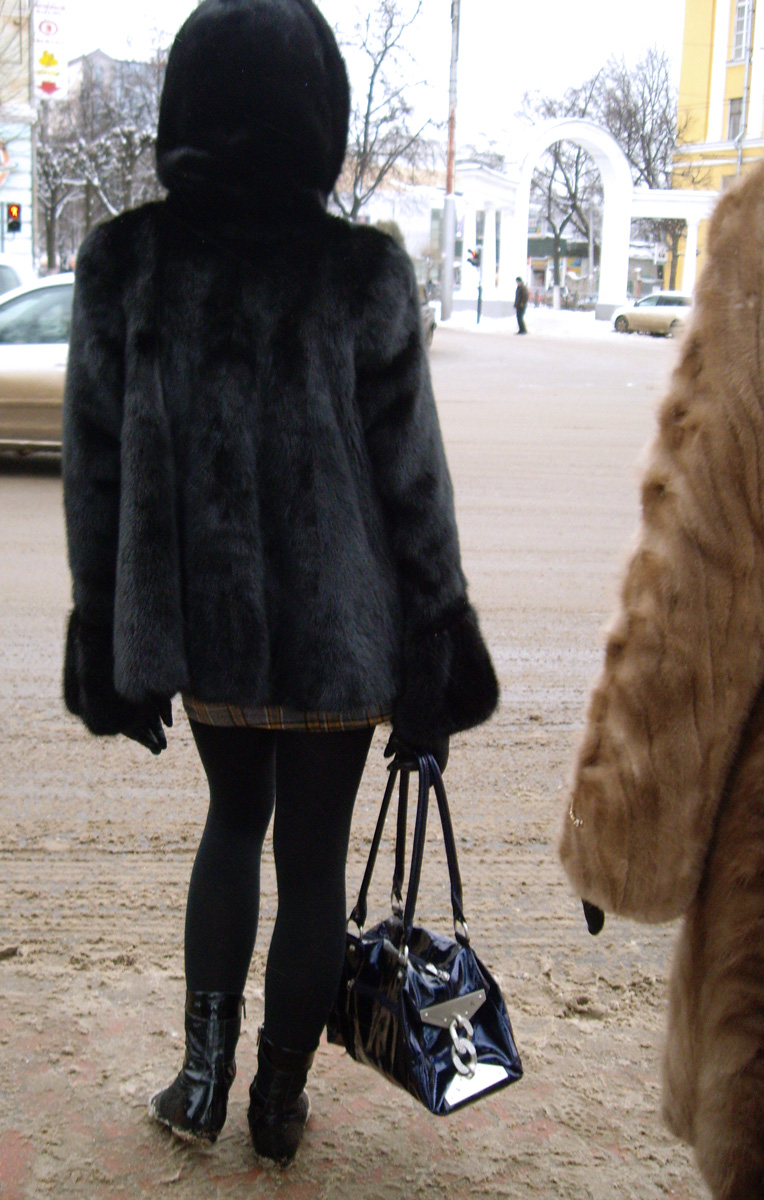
[507, 46]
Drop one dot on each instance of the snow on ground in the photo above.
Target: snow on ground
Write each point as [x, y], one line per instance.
[544, 322]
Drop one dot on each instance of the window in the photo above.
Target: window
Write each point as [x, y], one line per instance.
[733, 124]
[40, 317]
[741, 29]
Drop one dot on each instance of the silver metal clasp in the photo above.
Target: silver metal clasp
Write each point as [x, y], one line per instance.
[463, 1047]
[454, 1015]
[459, 1008]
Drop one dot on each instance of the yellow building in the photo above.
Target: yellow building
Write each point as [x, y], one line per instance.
[721, 95]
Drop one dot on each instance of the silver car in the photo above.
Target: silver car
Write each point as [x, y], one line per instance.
[663, 313]
[34, 339]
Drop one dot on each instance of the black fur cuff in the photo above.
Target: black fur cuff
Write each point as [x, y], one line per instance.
[449, 680]
[89, 690]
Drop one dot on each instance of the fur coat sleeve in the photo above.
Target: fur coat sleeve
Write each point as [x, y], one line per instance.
[92, 430]
[448, 681]
[91, 476]
[685, 651]
[120, 528]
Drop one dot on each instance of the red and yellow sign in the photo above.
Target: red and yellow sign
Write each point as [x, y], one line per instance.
[50, 50]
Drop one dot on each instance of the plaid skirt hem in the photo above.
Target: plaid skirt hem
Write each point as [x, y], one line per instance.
[277, 717]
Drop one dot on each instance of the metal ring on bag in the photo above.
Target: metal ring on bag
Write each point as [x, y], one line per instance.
[462, 931]
[463, 1046]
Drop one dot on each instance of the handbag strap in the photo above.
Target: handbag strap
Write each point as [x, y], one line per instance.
[417, 846]
[358, 915]
[399, 873]
[449, 841]
[429, 777]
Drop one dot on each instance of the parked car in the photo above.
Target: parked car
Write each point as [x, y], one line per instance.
[662, 313]
[34, 339]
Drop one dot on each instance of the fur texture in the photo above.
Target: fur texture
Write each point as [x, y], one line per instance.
[258, 504]
[685, 653]
[714, 1057]
[666, 812]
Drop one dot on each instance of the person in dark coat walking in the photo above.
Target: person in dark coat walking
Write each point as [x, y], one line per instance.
[260, 517]
[521, 303]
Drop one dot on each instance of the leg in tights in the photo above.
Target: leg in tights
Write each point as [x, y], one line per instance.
[224, 893]
[317, 779]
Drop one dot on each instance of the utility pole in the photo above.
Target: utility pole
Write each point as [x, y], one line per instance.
[449, 206]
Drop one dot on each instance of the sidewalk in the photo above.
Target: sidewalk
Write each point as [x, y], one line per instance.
[541, 321]
[80, 1130]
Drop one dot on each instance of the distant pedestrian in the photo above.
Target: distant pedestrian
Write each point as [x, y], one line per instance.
[260, 517]
[521, 303]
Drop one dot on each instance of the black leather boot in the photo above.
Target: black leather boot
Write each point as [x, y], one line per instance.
[194, 1106]
[278, 1104]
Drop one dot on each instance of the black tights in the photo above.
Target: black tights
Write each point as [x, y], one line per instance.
[313, 779]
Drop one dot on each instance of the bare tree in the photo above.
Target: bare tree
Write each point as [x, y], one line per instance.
[58, 183]
[113, 115]
[384, 141]
[639, 108]
[565, 186]
[94, 149]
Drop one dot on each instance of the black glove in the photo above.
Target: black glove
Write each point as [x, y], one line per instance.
[595, 918]
[145, 725]
[90, 694]
[438, 748]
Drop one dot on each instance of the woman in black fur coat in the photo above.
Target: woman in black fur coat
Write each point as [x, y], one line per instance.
[260, 517]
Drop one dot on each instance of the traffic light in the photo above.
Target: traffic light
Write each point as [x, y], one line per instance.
[474, 257]
[14, 218]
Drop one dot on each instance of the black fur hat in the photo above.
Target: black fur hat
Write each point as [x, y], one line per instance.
[256, 96]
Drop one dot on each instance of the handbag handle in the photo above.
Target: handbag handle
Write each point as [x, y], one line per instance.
[396, 898]
[429, 777]
[358, 915]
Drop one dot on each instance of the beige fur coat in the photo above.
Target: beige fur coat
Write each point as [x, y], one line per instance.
[666, 812]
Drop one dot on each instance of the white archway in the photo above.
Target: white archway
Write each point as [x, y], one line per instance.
[617, 188]
[508, 192]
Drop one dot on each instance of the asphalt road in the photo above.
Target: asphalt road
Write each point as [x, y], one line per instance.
[97, 838]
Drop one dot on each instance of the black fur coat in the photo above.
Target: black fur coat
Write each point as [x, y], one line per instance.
[258, 505]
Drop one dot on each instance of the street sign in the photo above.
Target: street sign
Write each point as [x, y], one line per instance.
[50, 50]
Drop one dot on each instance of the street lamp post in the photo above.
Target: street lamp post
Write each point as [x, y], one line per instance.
[449, 206]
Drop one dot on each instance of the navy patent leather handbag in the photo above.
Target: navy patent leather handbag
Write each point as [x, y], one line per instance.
[420, 1007]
